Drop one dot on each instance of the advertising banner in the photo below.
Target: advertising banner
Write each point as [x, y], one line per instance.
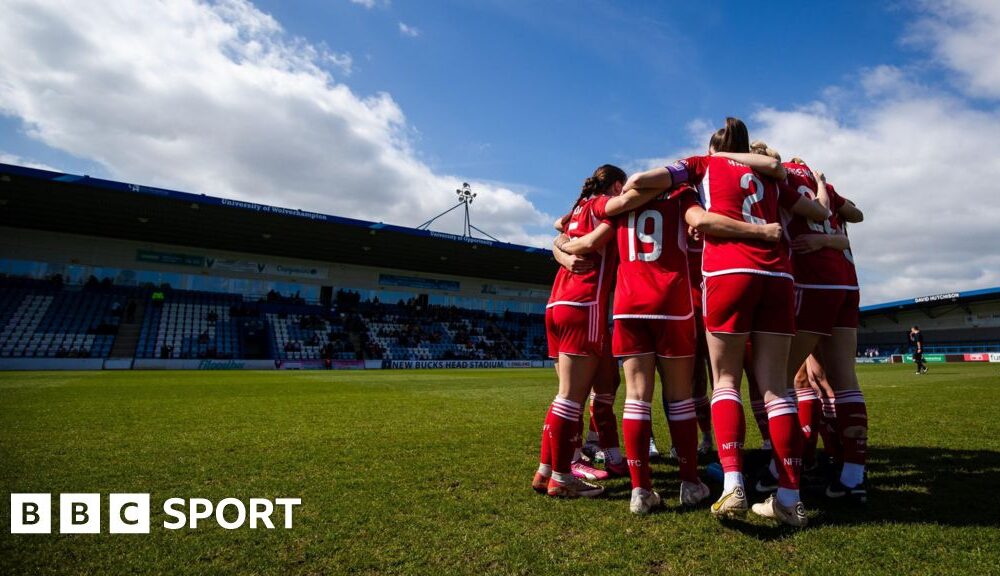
[927, 358]
[172, 364]
[983, 357]
[424, 364]
[322, 365]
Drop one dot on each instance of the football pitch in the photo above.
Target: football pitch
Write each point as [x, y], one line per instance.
[428, 472]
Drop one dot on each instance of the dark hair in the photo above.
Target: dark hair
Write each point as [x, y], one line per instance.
[731, 138]
[602, 179]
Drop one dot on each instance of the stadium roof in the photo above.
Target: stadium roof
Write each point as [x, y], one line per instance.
[934, 300]
[57, 202]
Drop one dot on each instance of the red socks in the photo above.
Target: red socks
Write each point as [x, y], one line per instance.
[786, 441]
[563, 424]
[730, 428]
[684, 433]
[828, 430]
[602, 417]
[809, 414]
[637, 427]
[545, 454]
[852, 426]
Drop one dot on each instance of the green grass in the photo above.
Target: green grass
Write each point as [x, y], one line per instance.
[428, 472]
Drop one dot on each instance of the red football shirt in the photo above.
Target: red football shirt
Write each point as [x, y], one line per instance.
[652, 257]
[594, 286]
[824, 268]
[734, 190]
[850, 272]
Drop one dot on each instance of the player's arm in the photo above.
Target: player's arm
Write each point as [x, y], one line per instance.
[560, 223]
[725, 227]
[587, 243]
[656, 179]
[849, 212]
[666, 177]
[571, 262]
[764, 164]
[807, 243]
[628, 201]
[810, 209]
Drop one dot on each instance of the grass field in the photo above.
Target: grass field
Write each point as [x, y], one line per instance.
[428, 473]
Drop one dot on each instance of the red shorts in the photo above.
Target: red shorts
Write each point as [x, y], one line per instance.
[666, 338]
[575, 330]
[741, 303]
[820, 310]
[696, 297]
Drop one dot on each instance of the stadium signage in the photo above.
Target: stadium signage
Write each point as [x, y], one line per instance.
[994, 357]
[31, 513]
[169, 258]
[936, 297]
[414, 282]
[424, 364]
[221, 365]
[271, 209]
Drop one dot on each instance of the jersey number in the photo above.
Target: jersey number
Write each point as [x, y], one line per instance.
[636, 230]
[754, 198]
[820, 227]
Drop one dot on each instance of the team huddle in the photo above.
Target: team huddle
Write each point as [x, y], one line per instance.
[735, 260]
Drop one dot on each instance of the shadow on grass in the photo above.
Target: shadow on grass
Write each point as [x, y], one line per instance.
[914, 485]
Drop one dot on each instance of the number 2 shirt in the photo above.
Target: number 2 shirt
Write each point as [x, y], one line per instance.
[732, 189]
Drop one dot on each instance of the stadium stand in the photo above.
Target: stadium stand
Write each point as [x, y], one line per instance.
[44, 319]
[47, 319]
[955, 323]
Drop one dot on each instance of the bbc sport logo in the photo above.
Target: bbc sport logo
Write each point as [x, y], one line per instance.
[130, 513]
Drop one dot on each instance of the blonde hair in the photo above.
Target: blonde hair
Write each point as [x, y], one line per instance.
[761, 147]
[798, 160]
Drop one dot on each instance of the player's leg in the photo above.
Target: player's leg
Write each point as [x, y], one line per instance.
[852, 414]
[828, 419]
[774, 325]
[540, 483]
[683, 421]
[756, 399]
[578, 359]
[702, 375]
[602, 400]
[727, 324]
[640, 382]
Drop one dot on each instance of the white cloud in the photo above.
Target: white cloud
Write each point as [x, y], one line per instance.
[922, 161]
[963, 35]
[407, 30]
[369, 4]
[342, 61]
[916, 166]
[6, 158]
[219, 99]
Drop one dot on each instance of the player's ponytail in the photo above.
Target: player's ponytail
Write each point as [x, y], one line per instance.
[603, 178]
[731, 138]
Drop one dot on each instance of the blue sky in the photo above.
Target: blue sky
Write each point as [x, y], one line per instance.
[539, 93]
[378, 109]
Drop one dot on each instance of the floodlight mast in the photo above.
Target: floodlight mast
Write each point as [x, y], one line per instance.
[465, 198]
